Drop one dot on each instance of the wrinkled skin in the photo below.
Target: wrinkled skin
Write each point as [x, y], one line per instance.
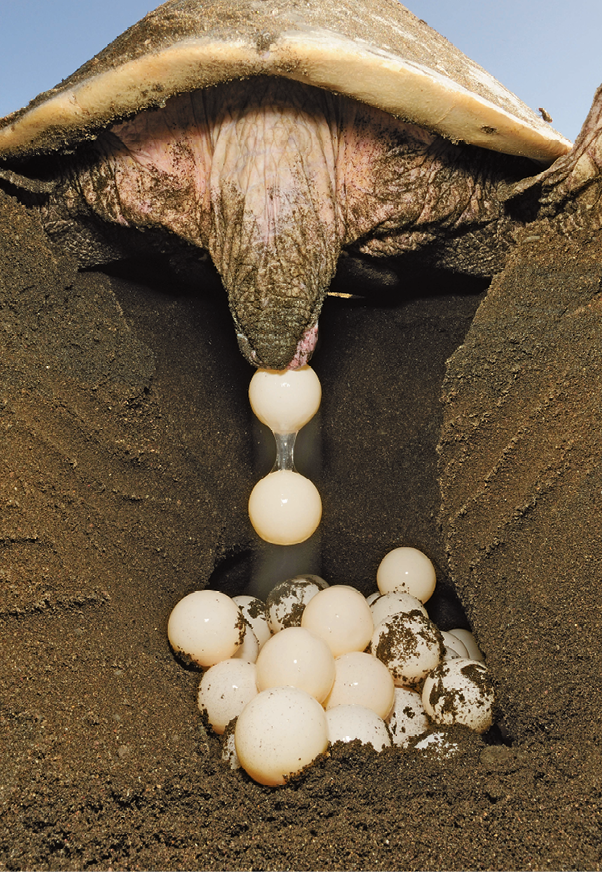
[275, 179]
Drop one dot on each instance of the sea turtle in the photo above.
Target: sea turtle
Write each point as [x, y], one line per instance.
[277, 136]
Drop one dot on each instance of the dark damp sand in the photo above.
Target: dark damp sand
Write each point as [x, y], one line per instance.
[125, 465]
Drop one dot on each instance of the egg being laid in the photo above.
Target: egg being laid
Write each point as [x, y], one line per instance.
[285, 508]
[285, 399]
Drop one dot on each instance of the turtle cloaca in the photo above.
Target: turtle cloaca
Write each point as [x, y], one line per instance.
[278, 137]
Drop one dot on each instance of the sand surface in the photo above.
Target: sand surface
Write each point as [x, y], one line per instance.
[127, 456]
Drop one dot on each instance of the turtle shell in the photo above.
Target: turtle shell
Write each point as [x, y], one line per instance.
[378, 53]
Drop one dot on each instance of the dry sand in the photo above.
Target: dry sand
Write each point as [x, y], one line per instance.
[126, 462]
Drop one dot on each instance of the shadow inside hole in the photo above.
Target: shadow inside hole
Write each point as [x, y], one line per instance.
[445, 609]
[371, 450]
[232, 573]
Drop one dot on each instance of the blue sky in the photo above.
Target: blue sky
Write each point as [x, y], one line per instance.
[546, 51]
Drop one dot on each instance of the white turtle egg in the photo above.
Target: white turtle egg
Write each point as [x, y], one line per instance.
[469, 642]
[285, 508]
[408, 717]
[205, 627]
[459, 692]
[255, 612]
[286, 602]
[249, 648]
[279, 733]
[409, 645]
[340, 616]
[349, 722]
[372, 597]
[453, 644]
[438, 744]
[395, 603]
[225, 690]
[361, 679]
[409, 570]
[229, 755]
[285, 399]
[315, 579]
[296, 657]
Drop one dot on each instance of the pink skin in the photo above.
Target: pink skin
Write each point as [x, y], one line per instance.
[305, 348]
[271, 178]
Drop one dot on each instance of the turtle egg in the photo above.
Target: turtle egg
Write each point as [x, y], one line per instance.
[279, 733]
[205, 627]
[410, 646]
[395, 603]
[349, 722]
[314, 579]
[286, 399]
[453, 646]
[229, 755]
[286, 602]
[437, 744]
[409, 570]
[296, 657]
[360, 679]
[408, 717]
[249, 648]
[469, 642]
[285, 508]
[255, 612]
[225, 690]
[459, 692]
[341, 616]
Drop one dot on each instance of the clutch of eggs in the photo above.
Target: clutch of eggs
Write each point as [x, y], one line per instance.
[317, 664]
